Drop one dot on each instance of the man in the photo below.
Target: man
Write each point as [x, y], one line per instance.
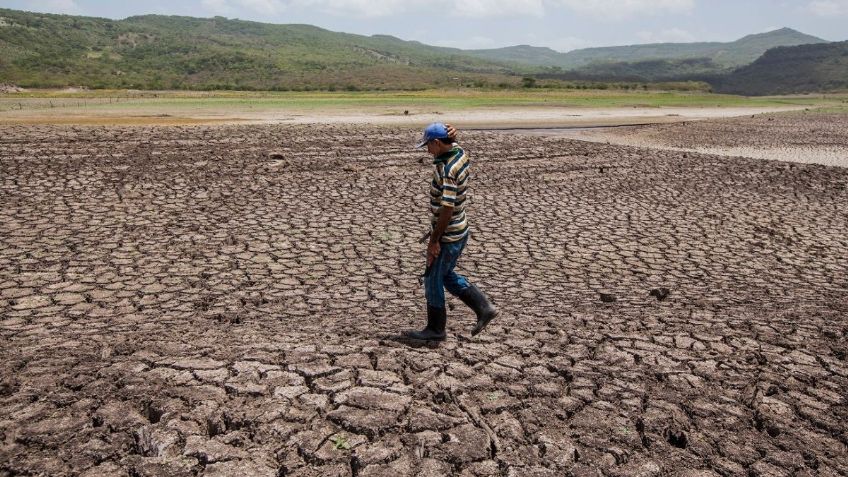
[448, 235]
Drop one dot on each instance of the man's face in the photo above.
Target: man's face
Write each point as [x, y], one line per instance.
[436, 147]
[433, 147]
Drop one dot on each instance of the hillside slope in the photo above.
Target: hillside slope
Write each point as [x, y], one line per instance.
[155, 51]
[522, 54]
[799, 69]
[642, 71]
[732, 54]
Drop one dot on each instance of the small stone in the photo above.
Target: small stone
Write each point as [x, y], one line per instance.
[660, 293]
[608, 298]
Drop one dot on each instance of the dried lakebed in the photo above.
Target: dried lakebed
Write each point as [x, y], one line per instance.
[806, 137]
[178, 301]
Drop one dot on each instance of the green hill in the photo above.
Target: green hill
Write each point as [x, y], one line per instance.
[522, 54]
[798, 69]
[153, 52]
[642, 71]
[169, 52]
[782, 70]
[736, 53]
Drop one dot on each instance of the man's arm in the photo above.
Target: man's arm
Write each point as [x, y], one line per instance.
[434, 247]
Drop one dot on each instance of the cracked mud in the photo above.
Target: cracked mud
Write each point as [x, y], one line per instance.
[224, 301]
[808, 137]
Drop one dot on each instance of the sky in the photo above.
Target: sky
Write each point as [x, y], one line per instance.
[563, 25]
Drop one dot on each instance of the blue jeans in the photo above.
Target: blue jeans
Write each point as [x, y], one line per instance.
[441, 275]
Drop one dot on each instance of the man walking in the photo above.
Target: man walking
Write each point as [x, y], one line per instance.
[449, 233]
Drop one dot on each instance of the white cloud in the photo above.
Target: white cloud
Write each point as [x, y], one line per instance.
[829, 8]
[671, 35]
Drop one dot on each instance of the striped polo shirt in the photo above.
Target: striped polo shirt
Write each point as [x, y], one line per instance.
[450, 179]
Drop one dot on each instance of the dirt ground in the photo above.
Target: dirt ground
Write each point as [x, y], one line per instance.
[177, 301]
[807, 137]
[163, 113]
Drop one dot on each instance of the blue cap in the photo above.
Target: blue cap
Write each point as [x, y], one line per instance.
[433, 131]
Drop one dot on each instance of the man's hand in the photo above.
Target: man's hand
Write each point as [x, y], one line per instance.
[433, 250]
[451, 132]
[434, 247]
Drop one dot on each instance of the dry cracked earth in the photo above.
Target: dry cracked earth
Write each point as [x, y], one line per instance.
[225, 301]
[805, 136]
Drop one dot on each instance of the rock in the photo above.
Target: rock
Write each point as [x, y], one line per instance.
[608, 298]
[660, 293]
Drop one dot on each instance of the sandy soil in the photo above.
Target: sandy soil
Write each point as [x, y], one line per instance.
[524, 117]
[819, 138]
[542, 117]
[175, 302]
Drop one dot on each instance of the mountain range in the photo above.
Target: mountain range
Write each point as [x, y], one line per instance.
[731, 54]
[171, 52]
[787, 70]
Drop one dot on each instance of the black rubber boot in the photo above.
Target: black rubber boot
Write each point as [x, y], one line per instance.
[435, 330]
[483, 308]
